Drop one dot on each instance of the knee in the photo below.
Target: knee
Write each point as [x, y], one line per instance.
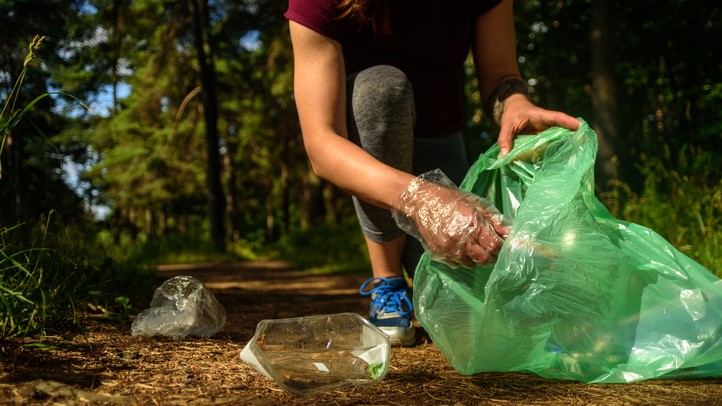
[384, 86]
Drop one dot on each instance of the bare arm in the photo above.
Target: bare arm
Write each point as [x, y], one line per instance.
[320, 92]
[455, 228]
[494, 51]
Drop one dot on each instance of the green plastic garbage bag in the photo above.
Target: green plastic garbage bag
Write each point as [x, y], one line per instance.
[575, 294]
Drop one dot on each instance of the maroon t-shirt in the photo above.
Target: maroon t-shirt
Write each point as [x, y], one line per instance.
[428, 40]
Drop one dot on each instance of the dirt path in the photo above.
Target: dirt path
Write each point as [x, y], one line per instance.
[106, 365]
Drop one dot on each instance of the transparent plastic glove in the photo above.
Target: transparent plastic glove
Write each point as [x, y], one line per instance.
[454, 227]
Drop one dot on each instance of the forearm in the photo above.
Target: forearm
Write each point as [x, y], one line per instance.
[494, 48]
[346, 165]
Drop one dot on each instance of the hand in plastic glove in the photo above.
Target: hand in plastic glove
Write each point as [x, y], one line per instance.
[453, 226]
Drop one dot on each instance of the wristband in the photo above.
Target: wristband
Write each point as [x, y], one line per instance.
[494, 104]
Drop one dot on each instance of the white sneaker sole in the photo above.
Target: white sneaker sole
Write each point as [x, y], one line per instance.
[400, 337]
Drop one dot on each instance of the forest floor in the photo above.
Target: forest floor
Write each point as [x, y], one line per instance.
[106, 365]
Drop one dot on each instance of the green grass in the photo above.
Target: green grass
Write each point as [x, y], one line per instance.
[681, 202]
[46, 279]
[327, 248]
[31, 282]
[192, 247]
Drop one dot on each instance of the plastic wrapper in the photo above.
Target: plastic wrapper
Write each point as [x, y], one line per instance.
[181, 307]
[453, 226]
[575, 294]
[306, 355]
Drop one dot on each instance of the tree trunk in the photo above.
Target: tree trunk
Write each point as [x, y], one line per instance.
[604, 101]
[11, 181]
[233, 224]
[313, 201]
[216, 202]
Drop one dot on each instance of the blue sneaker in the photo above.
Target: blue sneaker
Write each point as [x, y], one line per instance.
[391, 308]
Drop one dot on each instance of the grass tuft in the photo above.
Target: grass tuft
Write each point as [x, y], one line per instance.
[682, 202]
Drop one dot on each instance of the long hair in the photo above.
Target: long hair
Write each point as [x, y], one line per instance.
[364, 12]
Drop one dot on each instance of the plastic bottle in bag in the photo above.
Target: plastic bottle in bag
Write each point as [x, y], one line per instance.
[305, 355]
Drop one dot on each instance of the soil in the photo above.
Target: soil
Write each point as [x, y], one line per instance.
[106, 365]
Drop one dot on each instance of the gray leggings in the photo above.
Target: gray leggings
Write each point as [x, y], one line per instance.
[381, 116]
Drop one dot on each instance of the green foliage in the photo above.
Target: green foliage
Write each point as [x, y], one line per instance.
[174, 248]
[683, 204]
[145, 154]
[31, 159]
[553, 53]
[124, 303]
[668, 73]
[327, 248]
[14, 116]
[46, 278]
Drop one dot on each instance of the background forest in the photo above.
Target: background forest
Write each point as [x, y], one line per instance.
[166, 131]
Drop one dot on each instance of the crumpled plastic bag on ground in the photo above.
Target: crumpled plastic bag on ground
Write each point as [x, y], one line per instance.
[181, 307]
[576, 294]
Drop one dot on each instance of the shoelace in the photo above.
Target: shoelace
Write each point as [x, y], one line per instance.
[387, 297]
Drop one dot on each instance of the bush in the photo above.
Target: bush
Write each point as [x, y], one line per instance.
[684, 204]
[326, 248]
[46, 279]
